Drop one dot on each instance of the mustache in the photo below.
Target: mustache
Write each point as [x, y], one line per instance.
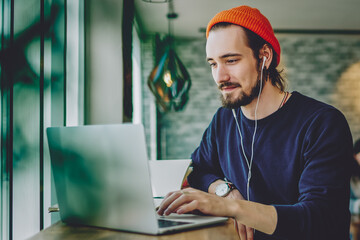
[228, 84]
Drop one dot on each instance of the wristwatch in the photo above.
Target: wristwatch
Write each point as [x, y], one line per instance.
[223, 189]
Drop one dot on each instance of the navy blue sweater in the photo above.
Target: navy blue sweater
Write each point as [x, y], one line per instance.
[302, 156]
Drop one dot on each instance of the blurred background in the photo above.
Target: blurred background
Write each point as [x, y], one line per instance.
[76, 62]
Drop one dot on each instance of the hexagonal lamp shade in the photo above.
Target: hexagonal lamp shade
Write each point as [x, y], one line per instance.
[170, 82]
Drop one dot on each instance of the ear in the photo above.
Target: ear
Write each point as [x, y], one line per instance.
[266, 51]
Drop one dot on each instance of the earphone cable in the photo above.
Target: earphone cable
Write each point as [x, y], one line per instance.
[254, 134]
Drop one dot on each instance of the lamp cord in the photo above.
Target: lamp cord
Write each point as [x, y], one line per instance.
[171, 16]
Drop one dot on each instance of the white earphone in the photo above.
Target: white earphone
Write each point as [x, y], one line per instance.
[263, 63]
[249, 164]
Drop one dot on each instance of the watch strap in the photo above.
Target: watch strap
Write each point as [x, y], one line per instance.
[231, 185]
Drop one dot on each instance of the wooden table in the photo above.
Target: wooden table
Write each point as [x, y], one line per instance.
[60, 231]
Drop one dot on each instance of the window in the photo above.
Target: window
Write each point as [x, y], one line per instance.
[42, 76]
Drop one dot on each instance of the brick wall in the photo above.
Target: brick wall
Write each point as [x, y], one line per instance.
[323, 67]
[147, 64]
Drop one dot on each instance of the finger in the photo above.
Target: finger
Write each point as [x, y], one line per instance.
[170, 197]
[250, 233]
[242, 231]
[236, 227]
[169, 194]
[188, 207]
[184, 198]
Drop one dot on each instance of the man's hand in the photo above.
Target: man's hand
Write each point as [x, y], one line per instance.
[245, 233]
[235, 194]
[259, 216]
[189, 199]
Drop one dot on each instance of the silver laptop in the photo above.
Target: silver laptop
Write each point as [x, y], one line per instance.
[102, 179]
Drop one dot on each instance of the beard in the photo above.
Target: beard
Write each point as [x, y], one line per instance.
[243, 100]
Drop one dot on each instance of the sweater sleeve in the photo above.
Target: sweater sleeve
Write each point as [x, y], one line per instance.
[322, 210]
[206, 167]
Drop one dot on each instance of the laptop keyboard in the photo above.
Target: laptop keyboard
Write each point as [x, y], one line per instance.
[169, 223]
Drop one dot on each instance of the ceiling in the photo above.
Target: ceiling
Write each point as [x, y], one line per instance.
[193, 15]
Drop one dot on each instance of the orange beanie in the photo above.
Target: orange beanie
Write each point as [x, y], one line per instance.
[250, 18]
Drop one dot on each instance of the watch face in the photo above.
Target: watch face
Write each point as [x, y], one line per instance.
[222, 189]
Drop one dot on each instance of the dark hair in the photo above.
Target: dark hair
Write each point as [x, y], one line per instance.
[255, 42]
[357, 146]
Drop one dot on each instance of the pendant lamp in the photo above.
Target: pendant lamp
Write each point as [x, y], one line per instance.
[169, 81]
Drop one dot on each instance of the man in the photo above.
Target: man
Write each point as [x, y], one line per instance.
[286, 154]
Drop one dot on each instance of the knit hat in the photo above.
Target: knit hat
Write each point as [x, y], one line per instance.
[250, 18]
